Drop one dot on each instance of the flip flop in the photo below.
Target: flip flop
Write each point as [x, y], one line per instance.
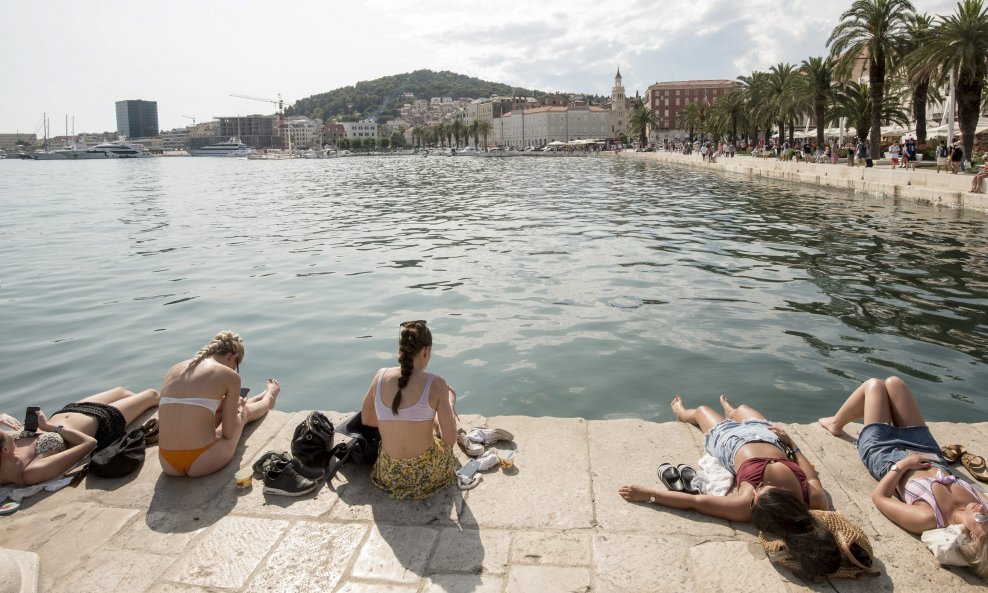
[976, 465]
[9, 508]
[150, 431]
[687, 473]
[670, 477]
[952, 452]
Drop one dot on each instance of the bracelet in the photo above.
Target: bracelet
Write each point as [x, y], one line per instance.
[796, 450]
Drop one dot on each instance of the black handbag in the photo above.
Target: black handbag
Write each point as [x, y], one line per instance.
[121, 457]
[312, 442]
[362, 446]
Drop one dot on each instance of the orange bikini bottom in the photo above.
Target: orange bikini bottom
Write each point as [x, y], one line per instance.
[182, 459]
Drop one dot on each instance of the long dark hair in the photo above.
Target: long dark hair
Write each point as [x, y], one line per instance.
[811, 545]
[414, 337]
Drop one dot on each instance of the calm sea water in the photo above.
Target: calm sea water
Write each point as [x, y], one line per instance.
[594, 287]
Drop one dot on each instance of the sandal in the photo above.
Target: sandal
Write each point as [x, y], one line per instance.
[687, 474]
[976, 465]
[952, 453]
[671, 478]
[150, 431]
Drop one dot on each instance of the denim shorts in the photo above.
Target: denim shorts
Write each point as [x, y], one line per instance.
[726, 438]
[880, 445]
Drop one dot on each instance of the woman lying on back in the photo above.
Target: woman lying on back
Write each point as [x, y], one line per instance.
[900, 452]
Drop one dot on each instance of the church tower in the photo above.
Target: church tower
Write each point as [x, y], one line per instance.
[619, 109]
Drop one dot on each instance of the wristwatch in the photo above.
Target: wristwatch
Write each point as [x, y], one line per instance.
[894, 468]
[651, 499]
[58, 428]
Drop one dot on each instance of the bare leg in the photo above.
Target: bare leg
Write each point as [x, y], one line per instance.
[702, 417]
[740, 413]
[108, 397]
[905, 410]
[136, 404]
[869, 401]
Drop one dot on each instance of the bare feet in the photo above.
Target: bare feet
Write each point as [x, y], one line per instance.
[728, 407]
[831, 426]
[678, 408]
[635, 493]
[274, 388]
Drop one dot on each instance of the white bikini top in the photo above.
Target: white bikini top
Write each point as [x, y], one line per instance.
[210, 404]
[420, 412]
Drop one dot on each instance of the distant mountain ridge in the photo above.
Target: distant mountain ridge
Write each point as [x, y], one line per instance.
[381, 98]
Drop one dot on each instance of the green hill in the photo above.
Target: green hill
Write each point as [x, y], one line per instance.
[381, 98]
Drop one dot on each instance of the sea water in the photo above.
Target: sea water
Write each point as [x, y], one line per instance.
[581, 287]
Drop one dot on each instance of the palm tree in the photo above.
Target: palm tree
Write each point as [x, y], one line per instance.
[920, 28]
[457, 129]
[695, 115]
[728, 112]
[812, 90]
[853, 101]
[484, 128]
[754, 89]
[473, 129]
[959, 44]
[872, 30]
[642, 120]
[777, 100]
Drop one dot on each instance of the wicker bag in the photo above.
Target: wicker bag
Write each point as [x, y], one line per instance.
[855, 547]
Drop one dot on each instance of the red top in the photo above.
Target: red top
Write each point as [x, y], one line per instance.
[753, 472]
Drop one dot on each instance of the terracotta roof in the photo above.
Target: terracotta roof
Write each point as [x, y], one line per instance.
[693, 84]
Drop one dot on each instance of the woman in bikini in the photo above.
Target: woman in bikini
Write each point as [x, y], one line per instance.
[414, 411]
[770, 490]
[70, 435]
[900, 452]
[202, 414]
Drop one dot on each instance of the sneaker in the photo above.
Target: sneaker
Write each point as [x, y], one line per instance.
[281, 478]
[489, 436]
[311, 472]
[469, 447]
[263, 462]
[488, 460]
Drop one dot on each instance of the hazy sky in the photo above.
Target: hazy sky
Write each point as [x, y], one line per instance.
[79, 57]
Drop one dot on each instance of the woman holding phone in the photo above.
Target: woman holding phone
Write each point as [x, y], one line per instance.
[60, 442]
[202, 411]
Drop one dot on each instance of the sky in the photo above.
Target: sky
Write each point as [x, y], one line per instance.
[76, 59]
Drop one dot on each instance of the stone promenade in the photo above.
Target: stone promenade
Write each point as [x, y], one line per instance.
[924, 185]
[554, 523]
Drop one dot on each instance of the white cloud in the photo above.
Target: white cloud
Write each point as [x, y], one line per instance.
[64, 56]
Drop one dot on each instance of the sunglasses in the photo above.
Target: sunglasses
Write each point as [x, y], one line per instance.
[408, 323]
[981, 518]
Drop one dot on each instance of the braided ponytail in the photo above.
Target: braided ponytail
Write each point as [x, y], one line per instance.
[225, 342]
[414, 337]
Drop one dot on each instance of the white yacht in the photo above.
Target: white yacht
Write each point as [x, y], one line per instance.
[122, 150]
[109, 150]
[232, 147]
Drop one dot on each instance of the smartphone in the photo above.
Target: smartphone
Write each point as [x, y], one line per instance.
[468, 469]
[31, 419]
[244, 391]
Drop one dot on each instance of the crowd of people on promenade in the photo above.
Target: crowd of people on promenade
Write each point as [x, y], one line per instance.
[202, 412]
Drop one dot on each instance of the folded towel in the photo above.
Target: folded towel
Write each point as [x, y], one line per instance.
[712, 477]
[19, 493]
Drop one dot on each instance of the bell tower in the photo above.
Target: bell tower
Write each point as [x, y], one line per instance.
[619, 110]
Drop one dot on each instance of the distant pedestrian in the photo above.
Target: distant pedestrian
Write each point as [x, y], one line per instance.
[730, 149]
[910, 153]
[894, 151]
[942, 154]
[834, 153]
[956, 158]
[862, 151]
[980, 176]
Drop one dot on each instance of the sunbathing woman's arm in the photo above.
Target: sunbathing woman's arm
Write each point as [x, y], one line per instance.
[232, 406]
[42, 469]
[730, 507]
[912, 518]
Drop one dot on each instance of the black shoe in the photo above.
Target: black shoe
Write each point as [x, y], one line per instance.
[312, 472]
[281, 478]
[264, 462]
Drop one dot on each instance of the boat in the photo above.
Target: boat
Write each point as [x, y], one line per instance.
[319, 154]
[108, 150]
[122, 150]
[231, 148]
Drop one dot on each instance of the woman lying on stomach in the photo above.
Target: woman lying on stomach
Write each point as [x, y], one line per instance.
[70, 435]
[900, 452]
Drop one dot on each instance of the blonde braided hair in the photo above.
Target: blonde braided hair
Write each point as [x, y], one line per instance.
[225, 342]
[414, 337]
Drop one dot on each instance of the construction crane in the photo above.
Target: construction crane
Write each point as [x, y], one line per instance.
[190, 117]
[281, 112]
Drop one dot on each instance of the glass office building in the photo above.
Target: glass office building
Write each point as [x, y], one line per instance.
[137, 119]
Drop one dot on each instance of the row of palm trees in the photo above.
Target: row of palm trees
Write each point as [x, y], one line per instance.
[908, 57]
[448, 133]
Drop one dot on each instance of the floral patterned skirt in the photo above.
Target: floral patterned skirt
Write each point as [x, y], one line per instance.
[416, 478]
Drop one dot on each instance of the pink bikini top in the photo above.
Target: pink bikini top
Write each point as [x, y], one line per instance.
[420, 412]
[922, 489]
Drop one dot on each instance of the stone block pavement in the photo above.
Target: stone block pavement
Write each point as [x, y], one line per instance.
[554, 523]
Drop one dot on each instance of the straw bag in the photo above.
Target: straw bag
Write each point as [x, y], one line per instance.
[857, 555]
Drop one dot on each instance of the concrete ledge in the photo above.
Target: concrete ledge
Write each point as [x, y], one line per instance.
[554, 523]
[941, 189]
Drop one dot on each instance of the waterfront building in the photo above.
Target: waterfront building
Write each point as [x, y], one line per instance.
[619, 108]
[301, 131]
[176, 139]
[17, 141]
[137, 118]
[668, 99]
[365, 128]
[539, 126]
[332, 132]
[257, 131]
